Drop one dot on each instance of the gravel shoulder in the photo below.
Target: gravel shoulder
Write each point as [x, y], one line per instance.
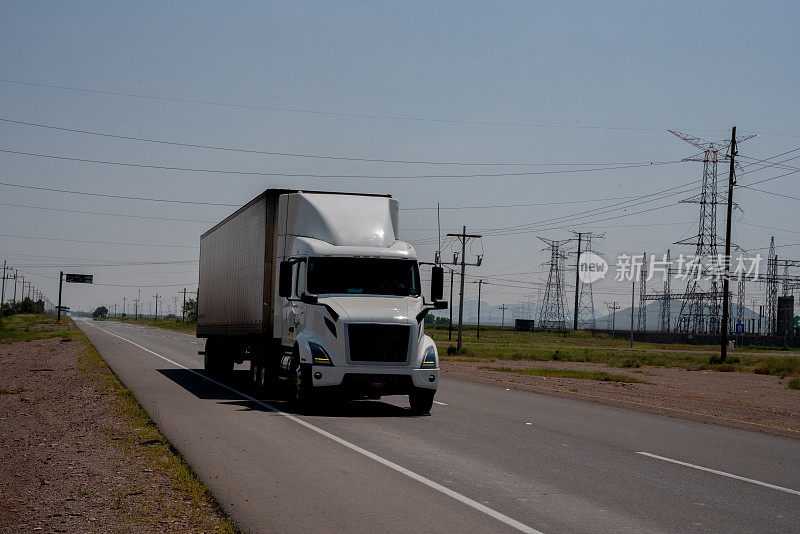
[77, 453]
[761, 403]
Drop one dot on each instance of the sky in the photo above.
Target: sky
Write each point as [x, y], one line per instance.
[582, 93]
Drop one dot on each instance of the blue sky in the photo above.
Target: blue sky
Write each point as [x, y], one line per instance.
[561, 83]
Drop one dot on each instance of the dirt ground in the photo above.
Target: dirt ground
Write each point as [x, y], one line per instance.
[748, 401]
[63, 465]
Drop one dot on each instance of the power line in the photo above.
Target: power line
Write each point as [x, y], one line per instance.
[106, 195]
[94, 242]
[106, 213]
[346, 114]
[310, 175]
[300, 155]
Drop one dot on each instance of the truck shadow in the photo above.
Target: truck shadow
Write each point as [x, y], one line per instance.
[327, 407]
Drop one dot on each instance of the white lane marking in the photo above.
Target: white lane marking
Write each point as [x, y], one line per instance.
[440, 403]
[721, 473]
[522, 527]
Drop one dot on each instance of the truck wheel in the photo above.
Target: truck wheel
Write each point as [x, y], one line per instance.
[255, 372]
[421, 401]
[217, 363]
[302, 387]
[209, 359]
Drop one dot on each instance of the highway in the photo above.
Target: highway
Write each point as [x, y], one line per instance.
[487, 459]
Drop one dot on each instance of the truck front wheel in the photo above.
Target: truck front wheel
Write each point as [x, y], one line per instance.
[421, 401]
[302, 387]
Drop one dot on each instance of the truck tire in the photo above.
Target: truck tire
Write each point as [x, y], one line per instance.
[255, 372]
[217, 362]
[421, 401]
[301, 383]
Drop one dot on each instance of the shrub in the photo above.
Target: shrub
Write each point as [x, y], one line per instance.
[794, 383]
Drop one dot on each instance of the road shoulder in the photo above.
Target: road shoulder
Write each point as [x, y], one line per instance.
[79, 453]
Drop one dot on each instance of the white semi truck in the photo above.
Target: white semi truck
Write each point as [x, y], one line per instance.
[316, 290]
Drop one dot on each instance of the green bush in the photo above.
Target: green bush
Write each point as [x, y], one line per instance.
[794, 383]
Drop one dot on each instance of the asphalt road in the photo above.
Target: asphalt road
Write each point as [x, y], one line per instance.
[487, 459]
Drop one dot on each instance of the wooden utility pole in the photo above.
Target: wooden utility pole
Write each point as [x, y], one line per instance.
[503, 309]
[723, 349]
[613, 307]
[480, 283]
[60, 283]
[633, 293]
[463, 237]
[183, 310]
[3, 294]
[450, 328]
[156, 296]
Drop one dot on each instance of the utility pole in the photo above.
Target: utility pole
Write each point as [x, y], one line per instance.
[463, 237]
[60, 284]
[726, 280]
[183, 310]
[480, 283]
[503, 309]
[450, 328]
[115, 309]
[16, 273]
[156, 296]
[577, 281]
[123, 305]
[3, 293]
[136, 308]
[138, 303]
[633, 293]
[613, 307]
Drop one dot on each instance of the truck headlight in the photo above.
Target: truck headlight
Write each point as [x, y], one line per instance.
[429, 360]
[318, 354]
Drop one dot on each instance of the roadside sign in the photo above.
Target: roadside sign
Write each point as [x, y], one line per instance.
[79, 278]
[739, 328]
[63, 308]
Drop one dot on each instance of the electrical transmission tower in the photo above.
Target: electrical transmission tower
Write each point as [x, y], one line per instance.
[553, 312]
[666, 300]
[772, 288]
[641, 318]
[584, 300]
[697, 302]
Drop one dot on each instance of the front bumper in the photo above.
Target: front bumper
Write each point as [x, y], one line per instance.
[385, 380]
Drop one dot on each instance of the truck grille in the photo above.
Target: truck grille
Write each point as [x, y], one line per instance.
[378, 342]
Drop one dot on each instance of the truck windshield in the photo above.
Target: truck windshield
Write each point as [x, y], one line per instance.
[363, 276]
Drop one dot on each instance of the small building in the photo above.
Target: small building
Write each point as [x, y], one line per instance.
[523, 325]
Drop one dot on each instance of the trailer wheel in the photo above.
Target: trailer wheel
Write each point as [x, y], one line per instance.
[421, 401]
[263, 377]
[255, 372]
[216, 362]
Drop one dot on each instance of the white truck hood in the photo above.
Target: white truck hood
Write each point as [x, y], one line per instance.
[371, 308]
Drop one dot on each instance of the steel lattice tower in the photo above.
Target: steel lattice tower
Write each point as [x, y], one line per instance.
[641, 318]
[586, 315]
[772, 288]
[696, 302]
[740, 297]
[553, 312]
[664, 311]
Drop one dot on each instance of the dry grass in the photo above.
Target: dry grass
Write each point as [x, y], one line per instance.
[566, 373]
[140, 437]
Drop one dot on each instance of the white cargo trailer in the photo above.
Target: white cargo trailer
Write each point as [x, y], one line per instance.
[316, 289]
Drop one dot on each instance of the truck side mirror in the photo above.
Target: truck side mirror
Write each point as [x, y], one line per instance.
[437, 283]
[285, 279]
